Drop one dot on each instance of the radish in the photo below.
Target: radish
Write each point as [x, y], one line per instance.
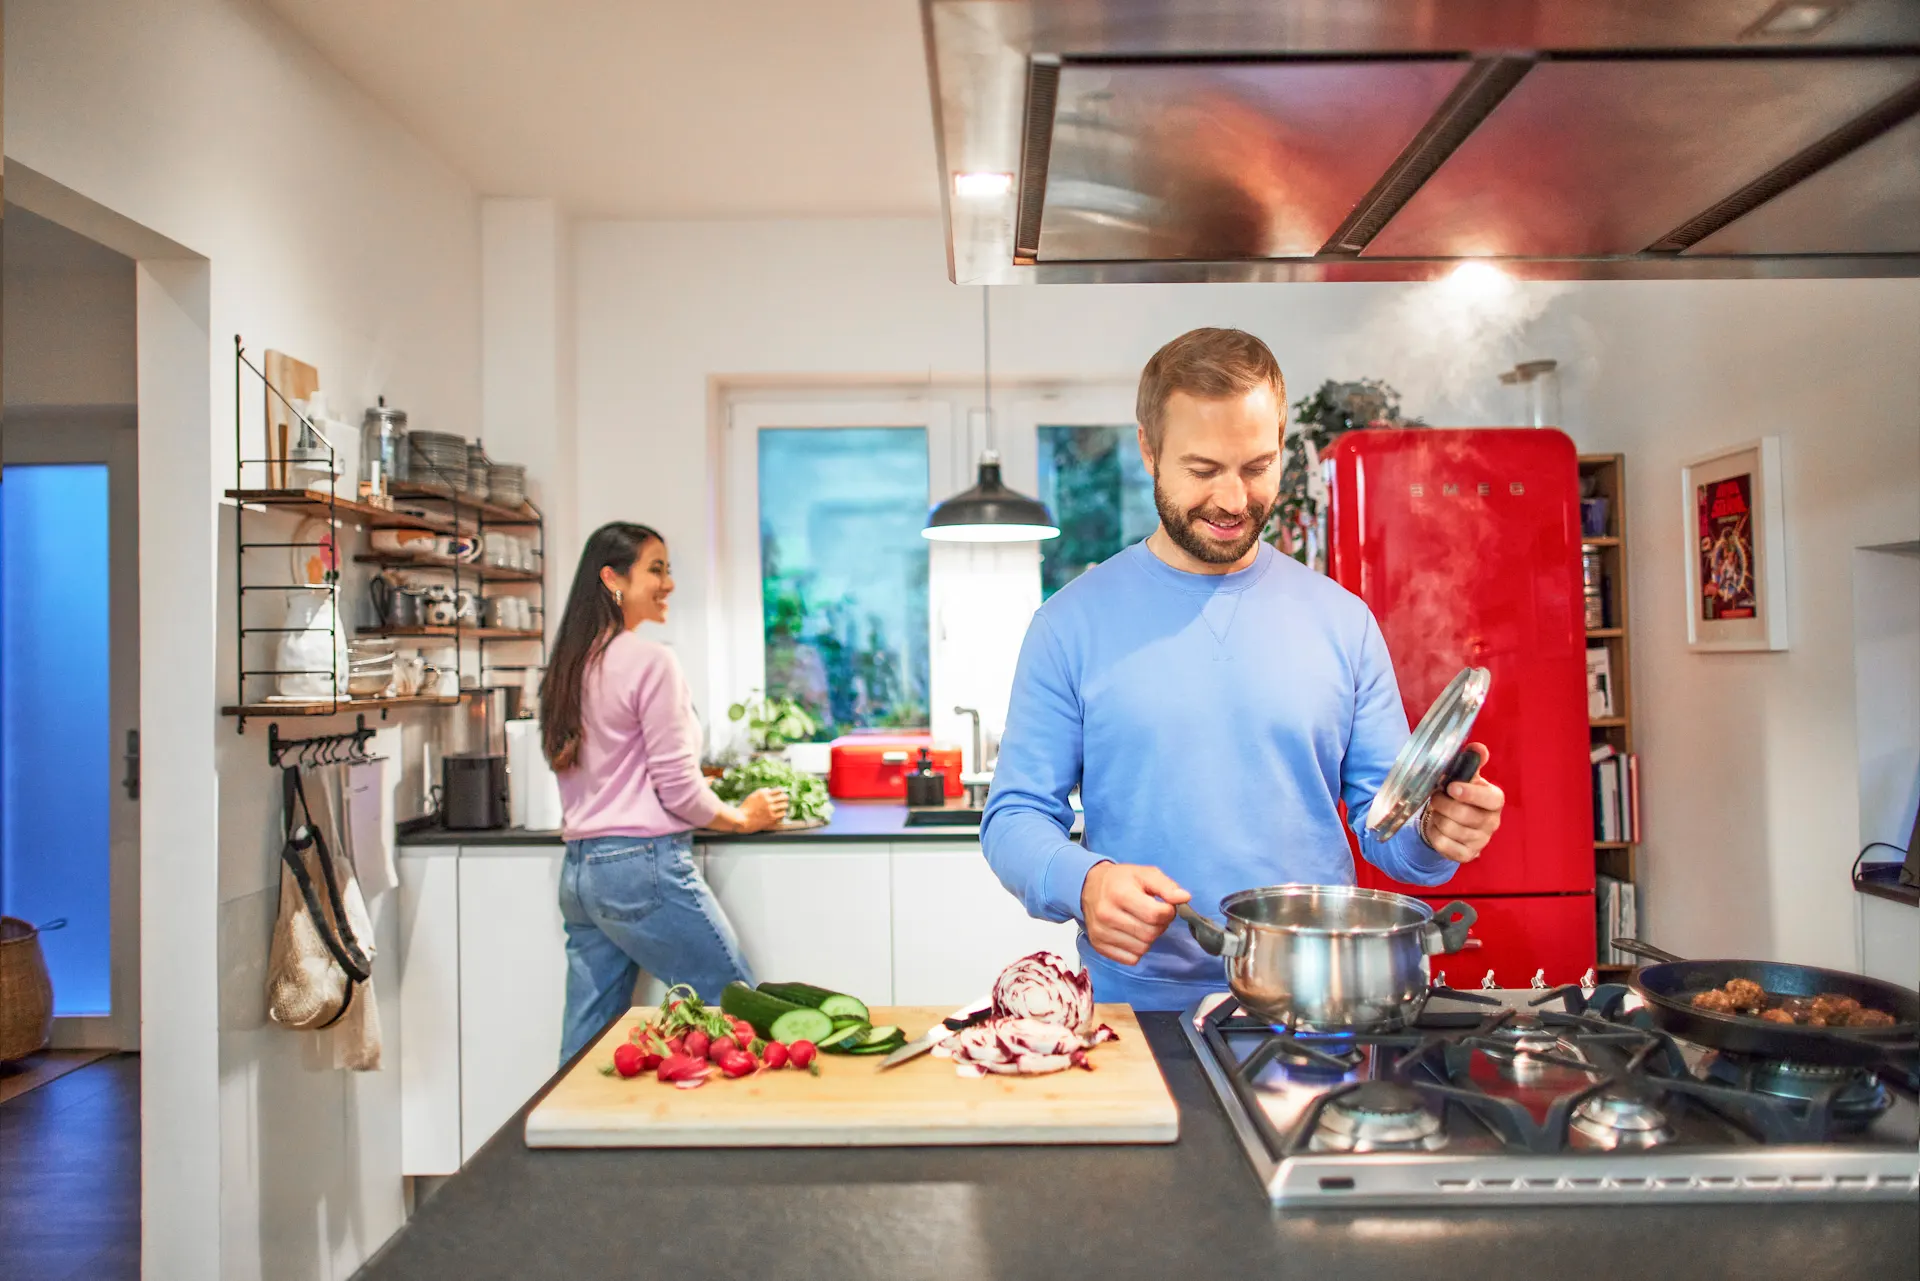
[739, 1063]
[721, 1048]
[679, 1068]
[801, 1053]
[776, 1055]
[676, 1045]
[696, 1044]
[650, 1060]
[628, 1061]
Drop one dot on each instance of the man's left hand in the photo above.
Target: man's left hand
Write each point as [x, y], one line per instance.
[1459, 824]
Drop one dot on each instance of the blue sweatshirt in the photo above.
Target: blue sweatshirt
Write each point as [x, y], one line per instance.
[1212, 724]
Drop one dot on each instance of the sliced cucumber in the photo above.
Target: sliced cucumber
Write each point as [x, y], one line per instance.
[801, 1024]
[843, 1023]
[841, 1041]
[836, 1005]
[759, 1008]
[885, 1032]
[842, 1006]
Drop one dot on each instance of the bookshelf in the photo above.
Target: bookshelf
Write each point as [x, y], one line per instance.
[1604, 476]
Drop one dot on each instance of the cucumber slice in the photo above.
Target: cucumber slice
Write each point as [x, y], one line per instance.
[843, 1023]
[762, 1009]
[843, 1040]
[801, 1024]
[885, 1032]
[841, 1006]
[885, 1046]
[836, 1005]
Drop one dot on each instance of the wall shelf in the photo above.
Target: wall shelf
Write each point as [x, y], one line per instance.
[484, 573]
[492, 513]
[1605, 633]
[319, 503]
[1606, 540]
[327, 707]
[477, 633]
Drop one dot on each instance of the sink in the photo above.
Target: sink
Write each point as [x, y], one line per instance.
[943, 818]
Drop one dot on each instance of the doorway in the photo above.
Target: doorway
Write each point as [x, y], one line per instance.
[70, 624]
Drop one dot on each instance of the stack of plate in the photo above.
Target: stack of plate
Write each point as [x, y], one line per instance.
[477, 469]
[509, 483]
[437, 458]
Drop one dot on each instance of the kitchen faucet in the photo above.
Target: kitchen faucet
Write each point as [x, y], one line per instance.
[978, 749]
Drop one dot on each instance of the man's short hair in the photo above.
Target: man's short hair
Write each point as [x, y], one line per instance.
[1208, 363]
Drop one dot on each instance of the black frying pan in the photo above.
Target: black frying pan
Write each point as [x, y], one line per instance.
[1669, 987]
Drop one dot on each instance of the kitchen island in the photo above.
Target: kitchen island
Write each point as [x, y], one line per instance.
[851, 821]
[1189, 1209]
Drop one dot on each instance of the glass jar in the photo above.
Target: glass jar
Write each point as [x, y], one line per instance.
[383, 448]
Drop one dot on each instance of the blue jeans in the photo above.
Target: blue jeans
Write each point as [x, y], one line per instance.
[634, 903]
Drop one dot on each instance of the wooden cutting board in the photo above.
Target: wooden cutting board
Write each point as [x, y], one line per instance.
[296, 380]
[852, 1103]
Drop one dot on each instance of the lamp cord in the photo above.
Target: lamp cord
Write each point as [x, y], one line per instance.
[986, 358]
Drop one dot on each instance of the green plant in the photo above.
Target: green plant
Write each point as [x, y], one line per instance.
[1298, 524]
[806, 794]
[772, 723]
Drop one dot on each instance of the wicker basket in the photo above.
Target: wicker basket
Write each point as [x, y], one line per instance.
[26, 991]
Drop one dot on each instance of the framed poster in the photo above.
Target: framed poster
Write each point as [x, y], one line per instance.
[1736, 569]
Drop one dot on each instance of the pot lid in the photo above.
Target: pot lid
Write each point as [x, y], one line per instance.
[1424, 762]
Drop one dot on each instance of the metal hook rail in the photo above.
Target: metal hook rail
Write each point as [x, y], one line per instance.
[322, 749]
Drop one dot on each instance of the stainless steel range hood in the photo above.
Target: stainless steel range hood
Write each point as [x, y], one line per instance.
[1152, 140]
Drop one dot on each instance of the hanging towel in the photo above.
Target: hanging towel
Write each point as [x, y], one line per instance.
[370, 827]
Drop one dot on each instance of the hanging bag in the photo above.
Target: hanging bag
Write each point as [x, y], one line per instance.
[315, 961]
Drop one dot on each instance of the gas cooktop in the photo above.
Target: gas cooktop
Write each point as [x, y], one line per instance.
[1566, 1096]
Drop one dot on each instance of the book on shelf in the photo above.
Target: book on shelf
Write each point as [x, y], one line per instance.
[1599, 682]
[1616, 784]
[1616, 903]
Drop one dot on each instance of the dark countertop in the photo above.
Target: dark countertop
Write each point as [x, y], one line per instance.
[851, 821]
[1191, 1209]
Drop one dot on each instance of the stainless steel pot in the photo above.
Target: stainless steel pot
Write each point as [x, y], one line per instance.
[1330, 958]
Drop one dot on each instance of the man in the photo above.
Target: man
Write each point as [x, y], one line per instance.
[1213, 701]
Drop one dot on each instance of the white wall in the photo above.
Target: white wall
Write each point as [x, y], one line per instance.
[333, 235]
[1749, 773]
[69, 305]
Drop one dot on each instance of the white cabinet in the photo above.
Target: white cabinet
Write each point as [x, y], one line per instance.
[817, 913]
[513, 981]
[955, 926]
[429, 1009]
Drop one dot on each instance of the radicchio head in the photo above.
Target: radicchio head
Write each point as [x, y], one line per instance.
[1043, 986]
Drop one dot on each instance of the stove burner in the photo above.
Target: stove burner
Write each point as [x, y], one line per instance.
[1614, 1119]
[1378, 1116]
[1517, 1047]
[1857, 1100]
[1302, 1053]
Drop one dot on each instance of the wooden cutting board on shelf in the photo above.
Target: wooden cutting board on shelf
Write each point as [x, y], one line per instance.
[296, 380]
[852, 1103]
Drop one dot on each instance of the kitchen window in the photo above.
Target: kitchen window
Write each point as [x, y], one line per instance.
[829, 595]
[1092, 480]
[843, 572]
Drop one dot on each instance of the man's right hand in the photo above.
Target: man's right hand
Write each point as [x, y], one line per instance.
[1126, 906]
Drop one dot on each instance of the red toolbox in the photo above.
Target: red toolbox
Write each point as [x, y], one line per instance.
[874, 767]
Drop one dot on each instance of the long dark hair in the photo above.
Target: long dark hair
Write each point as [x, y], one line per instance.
[591, 621]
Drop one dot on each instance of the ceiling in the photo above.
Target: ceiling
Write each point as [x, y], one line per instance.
[648, 109]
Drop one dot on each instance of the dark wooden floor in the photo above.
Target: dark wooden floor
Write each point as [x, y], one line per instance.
[70, 1176]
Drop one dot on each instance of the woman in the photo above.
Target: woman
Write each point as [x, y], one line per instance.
[617, 725]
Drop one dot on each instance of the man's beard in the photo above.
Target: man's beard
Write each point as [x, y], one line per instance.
[1201, 546]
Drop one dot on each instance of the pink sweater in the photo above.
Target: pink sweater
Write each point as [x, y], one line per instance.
[639, 767]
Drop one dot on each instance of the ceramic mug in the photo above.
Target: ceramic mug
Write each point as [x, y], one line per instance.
[460, 547]
[409, 674]
[439, 612]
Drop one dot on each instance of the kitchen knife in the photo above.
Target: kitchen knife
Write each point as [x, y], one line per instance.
[964, 1017]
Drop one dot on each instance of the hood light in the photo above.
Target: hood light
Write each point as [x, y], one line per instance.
[981, 186]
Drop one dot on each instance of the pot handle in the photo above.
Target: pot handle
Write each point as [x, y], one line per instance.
[1647, 950]
[1211, 938]
[1447, 931]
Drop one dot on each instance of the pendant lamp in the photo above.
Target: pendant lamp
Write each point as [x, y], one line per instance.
[989, 512]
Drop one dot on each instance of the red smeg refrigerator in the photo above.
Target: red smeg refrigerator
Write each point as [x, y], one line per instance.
[1466, 545]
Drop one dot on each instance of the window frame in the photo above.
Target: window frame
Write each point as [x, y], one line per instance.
[950, 414]
[742, 628]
